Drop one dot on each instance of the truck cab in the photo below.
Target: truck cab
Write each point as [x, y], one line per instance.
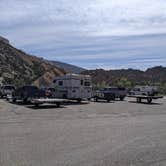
[110, 93]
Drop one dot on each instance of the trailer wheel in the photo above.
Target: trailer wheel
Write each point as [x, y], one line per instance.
[113, 97]
[96, 99]
[36, 105]
[14, 100]
[79, 100]
[58, 104]
[139, 100]
[108, 100]
[89, 99]
[149, 100]
[25, 100]
[122, 98]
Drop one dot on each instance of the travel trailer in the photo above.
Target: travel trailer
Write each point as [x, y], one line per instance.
[73, 86]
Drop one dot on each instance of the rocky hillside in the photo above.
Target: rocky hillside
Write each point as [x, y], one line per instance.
[111, 77]
[19, 68]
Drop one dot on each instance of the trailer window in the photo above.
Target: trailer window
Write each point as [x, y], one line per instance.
[120, 88]
[87, 83]
[60, 83]
[82, 82]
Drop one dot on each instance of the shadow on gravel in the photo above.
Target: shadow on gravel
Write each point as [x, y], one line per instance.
[103, 101]
[21, 103]
[146, 103]
[76, 103]
[45, 107]
[52, 106]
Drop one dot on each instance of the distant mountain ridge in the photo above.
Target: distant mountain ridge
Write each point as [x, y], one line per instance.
[68, 67]
[19, 68]
[150, 76]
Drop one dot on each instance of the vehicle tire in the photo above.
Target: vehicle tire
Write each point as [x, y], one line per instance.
[36, 105]
[122, 98]
[113, 97]
[79, 100]
[58, 105]
[96, 99]
[149, 100]
[108, 100]
[89, 99]
[25, 100]
[14, 100]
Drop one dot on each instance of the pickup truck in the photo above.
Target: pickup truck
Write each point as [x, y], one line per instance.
[110, 93]
[144, 90]
[27, 93]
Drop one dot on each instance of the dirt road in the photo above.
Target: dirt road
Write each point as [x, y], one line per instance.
[120, 133]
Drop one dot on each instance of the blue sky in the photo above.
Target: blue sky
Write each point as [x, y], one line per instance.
[105, 34]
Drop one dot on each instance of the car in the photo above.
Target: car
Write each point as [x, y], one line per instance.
[144, 90]
[6, 90]
[26, 93]
[110, 93]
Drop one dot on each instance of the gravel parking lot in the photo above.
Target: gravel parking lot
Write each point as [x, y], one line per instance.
[120, 133]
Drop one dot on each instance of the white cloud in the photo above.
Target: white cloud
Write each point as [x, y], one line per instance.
[83, 29]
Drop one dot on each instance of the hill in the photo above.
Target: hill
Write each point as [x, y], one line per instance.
[19, 68]
[155, 75]
[68, 67]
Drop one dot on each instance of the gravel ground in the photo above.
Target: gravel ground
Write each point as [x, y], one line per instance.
[120, 133]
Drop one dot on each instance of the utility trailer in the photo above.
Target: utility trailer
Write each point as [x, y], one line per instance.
[41, 101]
[149, 99]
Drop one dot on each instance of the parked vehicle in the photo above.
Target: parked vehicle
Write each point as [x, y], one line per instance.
[73, 86]
[144, 90]
[6, 90]
[110, 93]
[26, 93]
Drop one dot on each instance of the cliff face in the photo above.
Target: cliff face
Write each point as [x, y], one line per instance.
[19, 68]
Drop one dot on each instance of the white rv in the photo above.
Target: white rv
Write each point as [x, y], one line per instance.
[73, 86]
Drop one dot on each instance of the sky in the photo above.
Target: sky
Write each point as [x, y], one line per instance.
[108, 34]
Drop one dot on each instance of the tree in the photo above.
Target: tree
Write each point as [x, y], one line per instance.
[124, 82]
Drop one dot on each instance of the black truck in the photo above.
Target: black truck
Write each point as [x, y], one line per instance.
[110, 93]
[26, 93]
